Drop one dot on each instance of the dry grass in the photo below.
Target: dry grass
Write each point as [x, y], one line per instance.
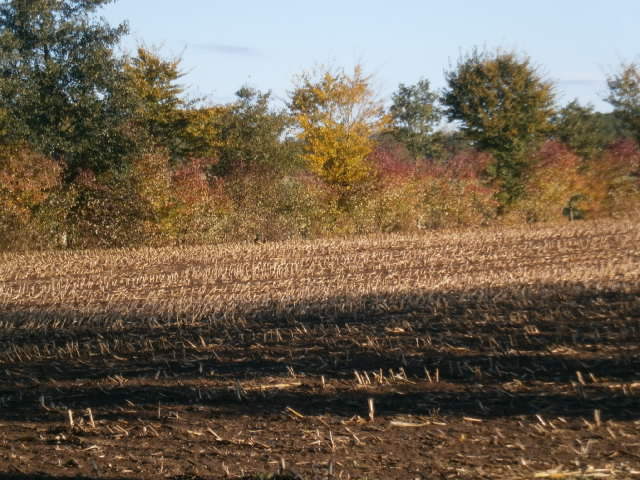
[197, 283]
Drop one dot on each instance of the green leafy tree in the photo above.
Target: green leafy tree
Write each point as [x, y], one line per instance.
[582, 129]
[252, 136]
[504, 106]
[414, 116]
[624, 96]
[161, 110]
[166, 120]
[62, 87]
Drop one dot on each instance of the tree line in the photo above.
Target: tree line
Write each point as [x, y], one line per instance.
[99, 148]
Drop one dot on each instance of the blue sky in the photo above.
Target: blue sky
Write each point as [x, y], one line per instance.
[263, 44]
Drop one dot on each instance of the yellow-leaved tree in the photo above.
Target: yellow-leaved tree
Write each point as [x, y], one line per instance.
[337, 115]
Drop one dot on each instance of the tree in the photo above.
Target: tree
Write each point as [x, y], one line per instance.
[166, 121]
[62, 87]
[414, 115]
[251, 135]
[337, 115]
[624, 96]
[583, 130]
[161, 110]
[504, 106]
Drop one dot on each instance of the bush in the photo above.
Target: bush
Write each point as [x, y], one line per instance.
[429, 195]
[554, 188]
[454, 194]
[614, 180]
[450, 202]
[392, 207]
[274, 207]
[153, 203]
[202, 211]
[391, 161]
[30, 186]
[107, 211]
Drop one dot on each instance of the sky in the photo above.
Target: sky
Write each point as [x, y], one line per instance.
[264, 44]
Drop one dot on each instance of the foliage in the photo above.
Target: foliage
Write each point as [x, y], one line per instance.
[582, 129]
[200, 137]
[161, 112]
[337, 115]
[624, 96]
[279, 207]
[500, 99]
[554, 188]
[26, 178]
[614, 180]
[560, 185]
[450, 142]
[202, 211]
[451, 202]
[251, 136]
[468, 163]
[153, 80]
[28, 181]
[414, 115]
[431, 195]
[62, 88]
[391, 161]
[454, 194]
[184, 128]
[392, 207]
[108, 211]
[151, 185]
[98, 150]
[504, 105]
[157, 204]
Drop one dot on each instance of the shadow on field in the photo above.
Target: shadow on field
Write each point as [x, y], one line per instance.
[35, 476]
[519, 350]
[141, 403]
[18, 476]
[30, 476]
[42, 476]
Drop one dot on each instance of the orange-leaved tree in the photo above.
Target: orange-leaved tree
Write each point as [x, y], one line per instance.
[337, 115]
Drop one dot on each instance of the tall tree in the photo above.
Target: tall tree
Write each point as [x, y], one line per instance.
[504, 105]
[582, 129]
[624, 96]
[337, 114]
[164, 117]
[62, 87]
[414, 116]
[251, 135]
[154, 81]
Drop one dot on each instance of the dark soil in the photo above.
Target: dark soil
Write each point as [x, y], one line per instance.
[518, 382]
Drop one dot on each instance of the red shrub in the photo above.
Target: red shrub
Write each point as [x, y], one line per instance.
[467, 164]
[392, 161]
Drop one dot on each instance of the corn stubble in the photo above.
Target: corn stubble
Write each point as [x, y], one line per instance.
[481, 346]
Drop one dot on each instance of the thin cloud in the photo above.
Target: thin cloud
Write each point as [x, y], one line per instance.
[224, 49]
[581, 79]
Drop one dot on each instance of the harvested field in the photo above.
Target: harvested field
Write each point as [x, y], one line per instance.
[492, 354]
